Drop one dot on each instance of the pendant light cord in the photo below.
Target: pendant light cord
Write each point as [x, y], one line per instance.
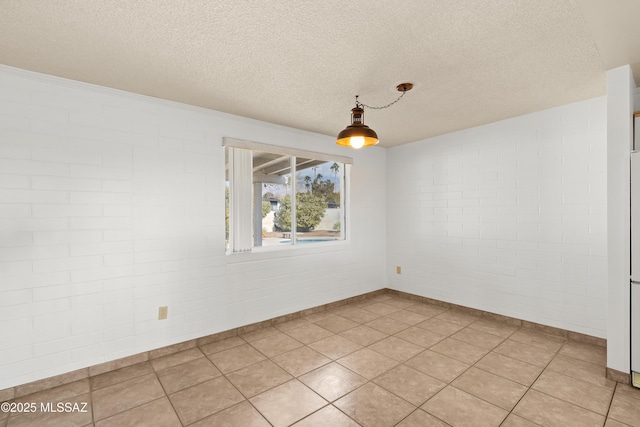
[360, 104]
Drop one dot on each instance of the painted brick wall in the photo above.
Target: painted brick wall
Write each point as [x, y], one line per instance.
[508, 217]
[112, 204]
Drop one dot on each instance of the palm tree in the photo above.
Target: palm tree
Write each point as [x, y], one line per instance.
[307, 182]
[335, 168]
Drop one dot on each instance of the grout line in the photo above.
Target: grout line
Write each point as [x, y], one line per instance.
[615, 389]
[167, 394]
[93, 412]
[529, 388]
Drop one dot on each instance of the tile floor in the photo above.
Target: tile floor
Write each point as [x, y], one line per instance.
[385, 361]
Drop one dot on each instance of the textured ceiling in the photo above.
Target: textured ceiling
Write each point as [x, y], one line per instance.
[300, 63]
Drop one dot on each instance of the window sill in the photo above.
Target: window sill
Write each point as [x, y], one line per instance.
[267, 252]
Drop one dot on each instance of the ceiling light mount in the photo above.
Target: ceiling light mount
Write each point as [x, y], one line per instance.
[357, 134]
[404, 87]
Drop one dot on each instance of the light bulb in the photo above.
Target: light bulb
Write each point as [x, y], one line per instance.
[357, 141]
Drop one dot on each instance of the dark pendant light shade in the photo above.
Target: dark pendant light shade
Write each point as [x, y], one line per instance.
[357, 134]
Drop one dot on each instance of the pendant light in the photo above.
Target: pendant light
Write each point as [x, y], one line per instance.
[357, 134]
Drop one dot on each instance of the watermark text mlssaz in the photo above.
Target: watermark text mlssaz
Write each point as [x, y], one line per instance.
[51, 407]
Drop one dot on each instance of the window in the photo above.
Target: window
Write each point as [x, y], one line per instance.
[269, 188]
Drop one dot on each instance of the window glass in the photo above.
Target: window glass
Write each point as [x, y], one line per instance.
[318, 208]
[263, 185]
[271, 188]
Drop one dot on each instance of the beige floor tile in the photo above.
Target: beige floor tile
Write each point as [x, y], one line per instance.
[123, 362]
[241, 415]
[310, 333]
[258, 378]
[439, 326]
[578, 369]
[538, 339]
[222, 345]
[399, 302]
[276, 344]
[525, 352]
[367, 363]
[337, 324]
[315, 317]
[494, 327]
[459, 350]
[340, 310]
[422, 337]
[328, 416]
[187, 374]
[461, 409]
[66, 378]
[625, 409]
[291, 324]
[371, 405]
[51, 418]
[427, 310]
[580, 393]
[158, 413]
[57, 394]
[613, 423]
[549, 411]
[387, 325]
[363, 303]
[396, 348]
[260, 334]
[419, 418]
[170, 360]
[516, 421]
[437, 365]
[409, 384]
[119, 375]
[332, 381]
[359, 315]
[363, 335]
[287, 403]
[510, 368]
[627, 390]
[376, 298]
[200, 401]
[409, 317]
[458, 317]
[492, 388]
[585, 352]
[119, 397]
[478, 338]
[381, 308]
[335, 346]
[301, 361]
[236, 358]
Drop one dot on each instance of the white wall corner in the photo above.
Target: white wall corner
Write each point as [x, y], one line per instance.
[621, 90]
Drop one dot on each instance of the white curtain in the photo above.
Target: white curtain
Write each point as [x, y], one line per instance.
[240, 183]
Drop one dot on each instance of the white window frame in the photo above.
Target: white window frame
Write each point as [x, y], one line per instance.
[238, 222]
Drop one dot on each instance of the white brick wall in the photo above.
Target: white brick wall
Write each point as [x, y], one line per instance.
[111, 204]
[509, 217]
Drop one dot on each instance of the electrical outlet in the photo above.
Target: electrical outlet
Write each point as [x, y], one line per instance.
[163, 312]
[398, 270]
